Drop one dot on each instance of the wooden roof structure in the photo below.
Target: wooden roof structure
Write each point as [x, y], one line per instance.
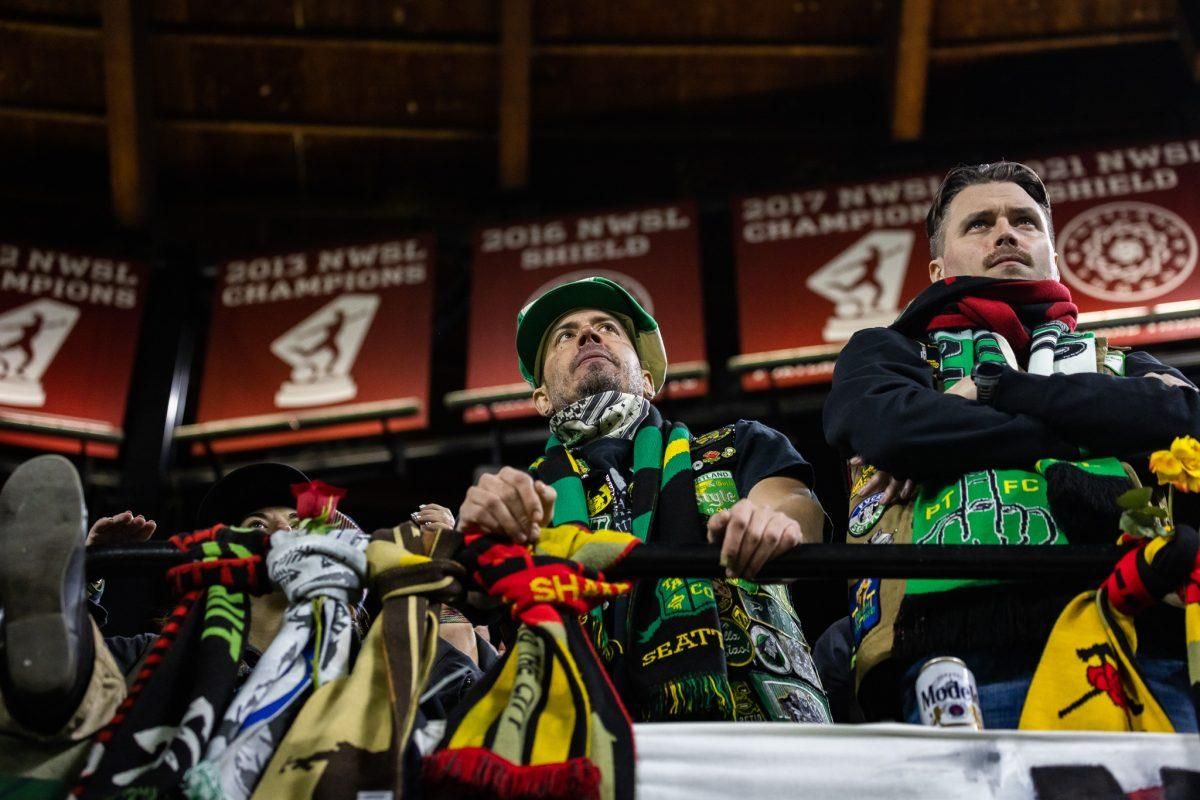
[123, 104]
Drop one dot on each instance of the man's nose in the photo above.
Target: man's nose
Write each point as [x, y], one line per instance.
[1005, 233]
[588, 335]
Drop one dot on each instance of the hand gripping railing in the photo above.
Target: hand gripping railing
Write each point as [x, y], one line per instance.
[806, 562]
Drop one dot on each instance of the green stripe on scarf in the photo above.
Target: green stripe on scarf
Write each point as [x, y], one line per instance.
[676, 661]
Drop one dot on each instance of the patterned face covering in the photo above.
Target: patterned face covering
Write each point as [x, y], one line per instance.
[613, 414]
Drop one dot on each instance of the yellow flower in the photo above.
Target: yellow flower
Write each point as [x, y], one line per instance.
[1167, 467]
[1187, 451]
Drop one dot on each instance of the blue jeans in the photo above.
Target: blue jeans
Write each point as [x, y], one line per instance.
[1001, 701]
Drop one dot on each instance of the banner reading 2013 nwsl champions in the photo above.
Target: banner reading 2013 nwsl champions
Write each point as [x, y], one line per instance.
[337, 330]
[69, 327]
[653, 252]
[815, 265]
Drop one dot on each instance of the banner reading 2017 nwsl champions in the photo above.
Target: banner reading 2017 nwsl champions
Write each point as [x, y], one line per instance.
[69, 327]
[815, 265]
[337, 330]
[653, 252]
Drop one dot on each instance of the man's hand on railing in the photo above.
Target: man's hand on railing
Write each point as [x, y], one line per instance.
[750, 535]
[509, 502]
[121, 529]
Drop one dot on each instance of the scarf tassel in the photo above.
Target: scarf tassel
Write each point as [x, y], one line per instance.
[477, 772]
[700, 696]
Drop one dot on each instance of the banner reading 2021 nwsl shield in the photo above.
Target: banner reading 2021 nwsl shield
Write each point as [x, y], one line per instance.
[332, 330]
[818, 264]
[653, 252]
[69, 325]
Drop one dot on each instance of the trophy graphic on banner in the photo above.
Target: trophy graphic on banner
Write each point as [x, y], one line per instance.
[322, 349]
[864, 282]
[30, 337]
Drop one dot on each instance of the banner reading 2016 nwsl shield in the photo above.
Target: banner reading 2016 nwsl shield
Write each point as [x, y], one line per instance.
[653, 252]
[69, 326]
[332, 330]
[818, 264]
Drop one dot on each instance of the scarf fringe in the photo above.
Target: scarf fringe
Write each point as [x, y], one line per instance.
[476, 772]
[700, 696]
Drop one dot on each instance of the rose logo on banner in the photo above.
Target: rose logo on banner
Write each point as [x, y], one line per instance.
[864, 282]
[321, 350]
[30, 337]
[1127, 252]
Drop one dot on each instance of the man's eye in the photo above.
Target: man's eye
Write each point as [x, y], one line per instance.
[1027, 221]
[977, 225]
[608, 327]
[563, 336]
[256, 524]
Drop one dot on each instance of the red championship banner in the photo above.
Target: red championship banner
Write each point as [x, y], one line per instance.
[299, 341]
[653, 252]
[816, 265]
[69, 327]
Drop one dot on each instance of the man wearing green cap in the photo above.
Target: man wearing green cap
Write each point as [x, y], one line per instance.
[678, 648]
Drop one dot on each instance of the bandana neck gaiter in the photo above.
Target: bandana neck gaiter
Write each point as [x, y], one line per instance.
[606, 414]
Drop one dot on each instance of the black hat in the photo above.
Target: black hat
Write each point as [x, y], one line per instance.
[248, 489]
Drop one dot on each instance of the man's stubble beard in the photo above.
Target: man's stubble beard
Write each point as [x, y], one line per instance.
[596, 380]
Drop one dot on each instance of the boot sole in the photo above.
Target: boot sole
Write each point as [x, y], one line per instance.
[42, 521]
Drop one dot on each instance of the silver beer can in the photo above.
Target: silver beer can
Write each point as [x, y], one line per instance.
[947, 695]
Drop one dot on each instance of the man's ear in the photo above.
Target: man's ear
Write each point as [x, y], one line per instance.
[1054, 274]
[541, 401]
[647, 385]
[937, 270]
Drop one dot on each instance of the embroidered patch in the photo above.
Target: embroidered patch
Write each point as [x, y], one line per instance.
[771, 612]
[740, 617]
[864, 476]
[715, 491]
[769, 651]
[711, 456]
[599, 500]
[746, 707]
[684, 596]
[738, 650]
[882, 537]
[712, 436]
[728, 452]
[801, 658]
[724, 596]
[864, 614]
[866, 514]
[791, 700]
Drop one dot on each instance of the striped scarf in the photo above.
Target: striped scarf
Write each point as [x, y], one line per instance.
[190, 674]
[1088, 678]
[545, 722]
[351, 739]
[677, 662]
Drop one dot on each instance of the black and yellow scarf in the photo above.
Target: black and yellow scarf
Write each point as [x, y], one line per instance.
[676, 662]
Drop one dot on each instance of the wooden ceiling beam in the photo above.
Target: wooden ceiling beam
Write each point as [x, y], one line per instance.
[127, 95]
[911, 73]
[516, 55]
[977, 51]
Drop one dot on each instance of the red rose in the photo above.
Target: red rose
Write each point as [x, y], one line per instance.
[316, 500]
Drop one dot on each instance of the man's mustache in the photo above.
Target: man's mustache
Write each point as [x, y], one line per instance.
[1007, 254]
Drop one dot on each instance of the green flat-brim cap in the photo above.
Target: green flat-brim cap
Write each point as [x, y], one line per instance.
[535, 319]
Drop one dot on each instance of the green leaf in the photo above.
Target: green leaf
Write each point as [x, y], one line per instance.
[1136, 498]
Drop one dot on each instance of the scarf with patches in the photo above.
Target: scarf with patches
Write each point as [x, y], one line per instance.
[190, 674]
[606, 414]
[1088, 678]
[545, 722]
[676, 664]
[320, 572]
[351, 739]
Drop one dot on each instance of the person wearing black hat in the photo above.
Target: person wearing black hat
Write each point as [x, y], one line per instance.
[595, 360]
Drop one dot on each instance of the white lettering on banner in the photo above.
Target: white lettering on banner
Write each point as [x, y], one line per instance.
[1168, 154]
[1114, 185]
[617, 232]
[896, 216]
[889, 192]
[66, 276]
[566, 255]
[321, 285]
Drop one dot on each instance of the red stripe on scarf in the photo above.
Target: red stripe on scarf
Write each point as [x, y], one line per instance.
[995, 309]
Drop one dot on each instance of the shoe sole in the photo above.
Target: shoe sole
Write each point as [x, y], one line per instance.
[42, 521]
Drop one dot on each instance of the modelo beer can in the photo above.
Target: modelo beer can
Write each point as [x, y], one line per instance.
[947, 695]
